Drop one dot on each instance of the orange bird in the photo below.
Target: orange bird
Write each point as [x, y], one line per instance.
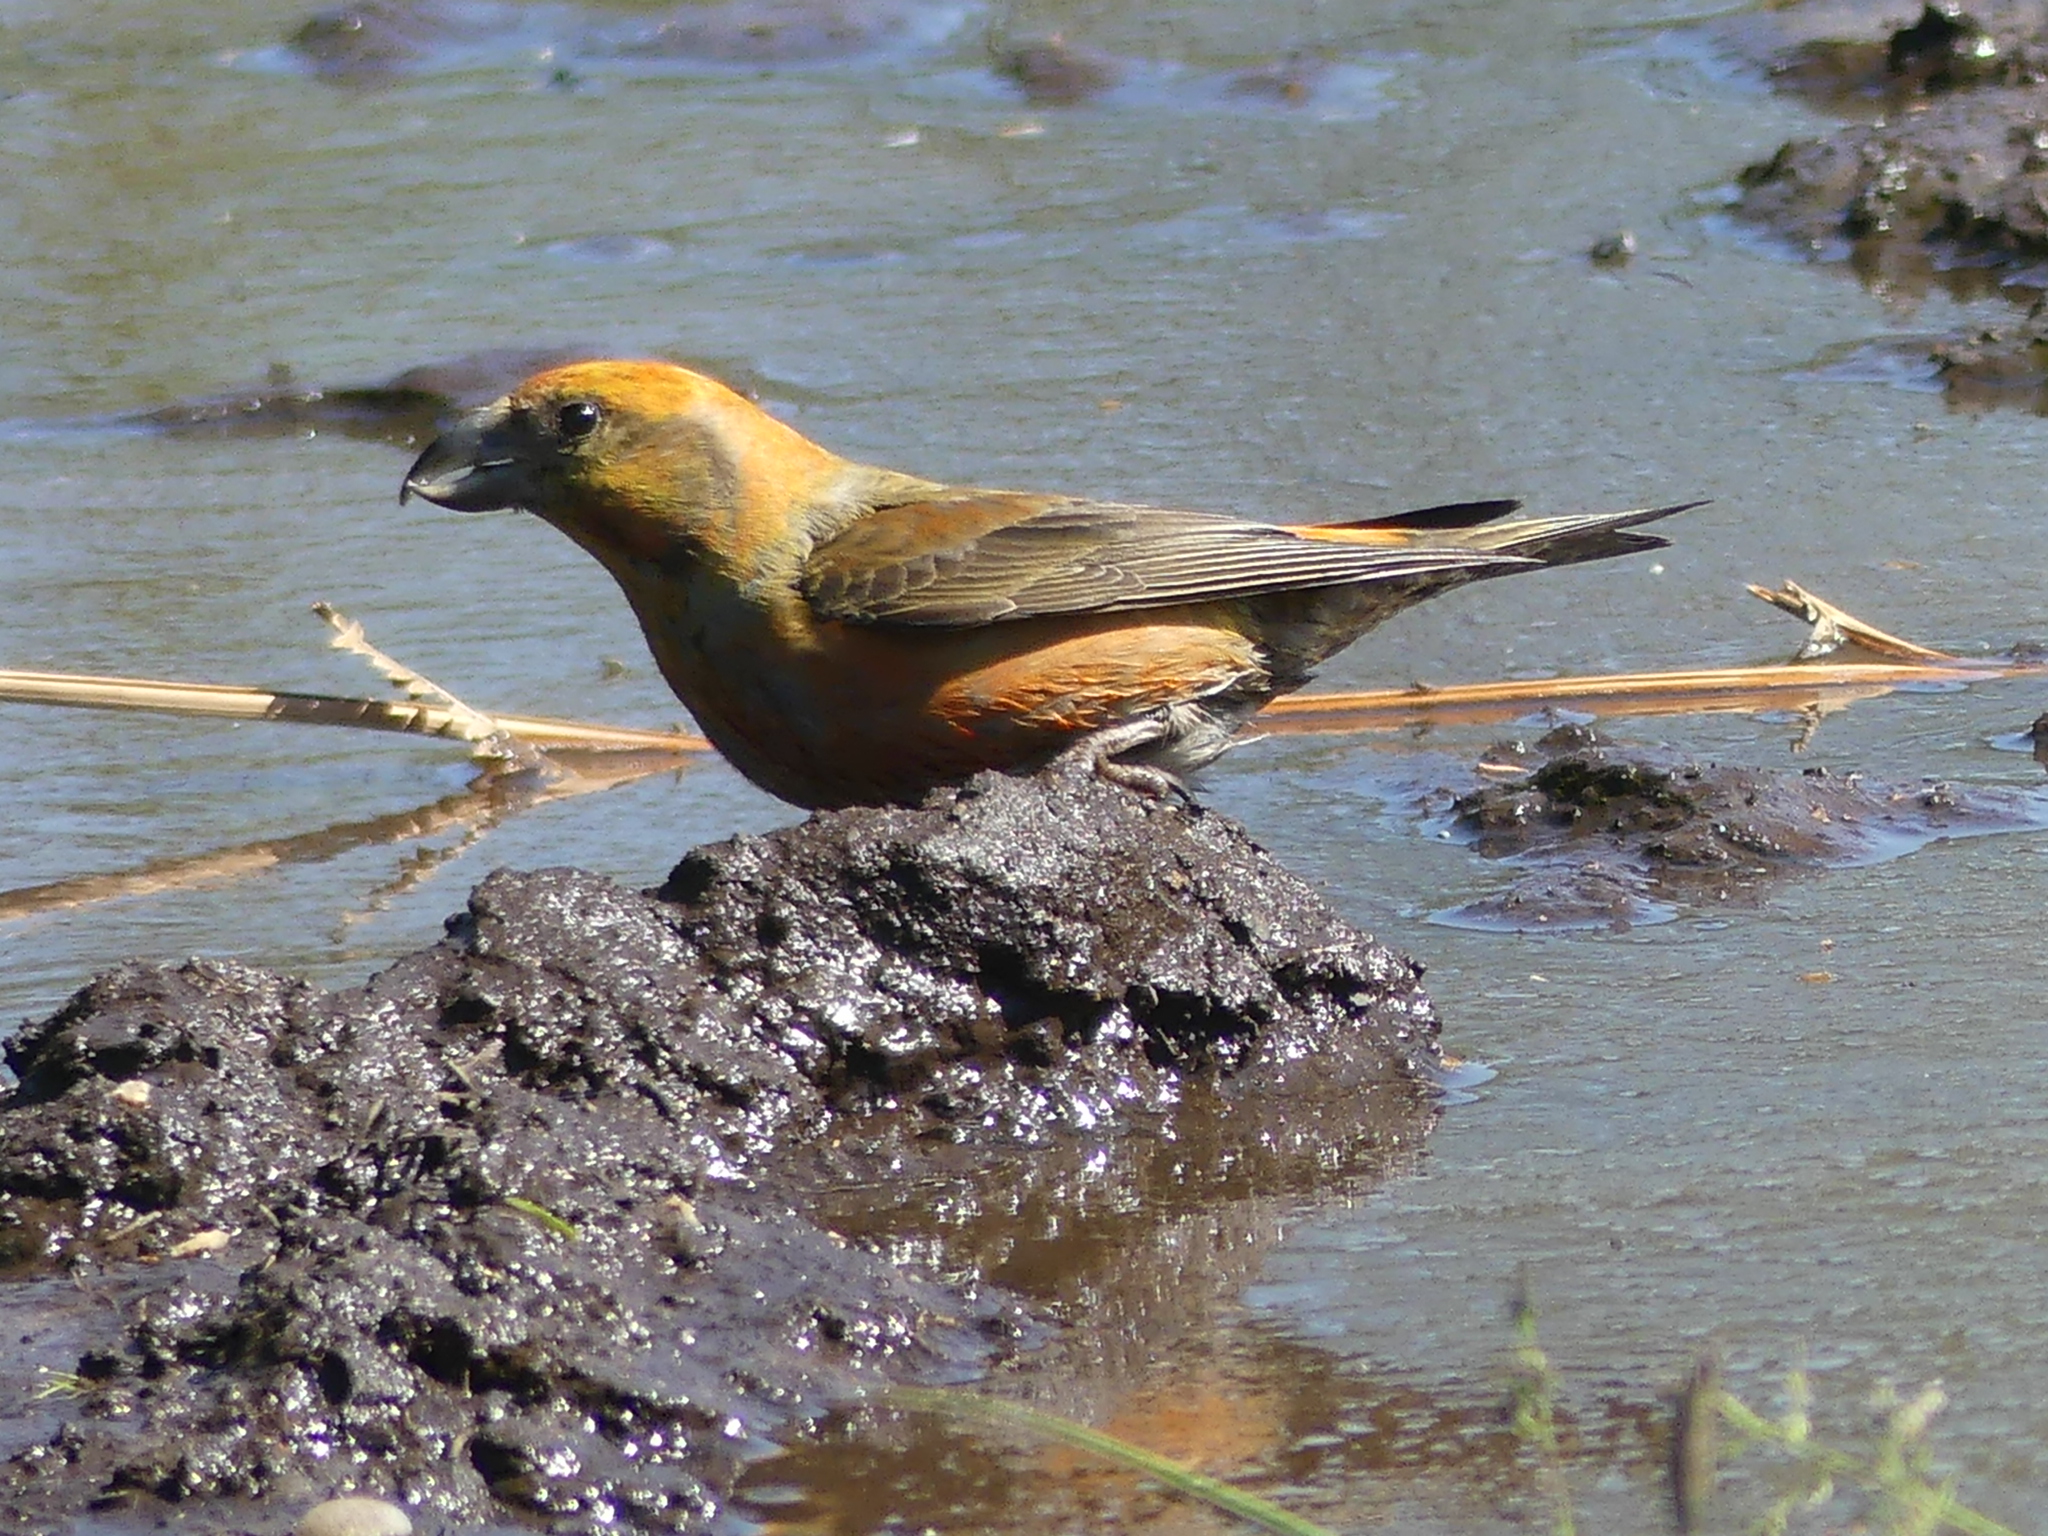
[847, 635]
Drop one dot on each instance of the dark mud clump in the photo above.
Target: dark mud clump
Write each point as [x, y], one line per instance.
[1951, 193]
[1053, 72]
[381, 37]
[1604, 838]
[377, 39]
[528, 1229]
[1996, 365]
[405, 409]
[1939, 177]
[762, 33]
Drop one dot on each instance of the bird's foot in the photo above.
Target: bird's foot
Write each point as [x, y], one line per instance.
[1156, 782]
[1098, 754]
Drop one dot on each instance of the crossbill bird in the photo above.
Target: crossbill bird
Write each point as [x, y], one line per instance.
[851, 635]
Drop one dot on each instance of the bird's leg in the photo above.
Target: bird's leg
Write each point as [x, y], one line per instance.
[1098, 751]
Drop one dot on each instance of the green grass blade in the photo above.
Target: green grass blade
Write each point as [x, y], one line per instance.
[533, 1210]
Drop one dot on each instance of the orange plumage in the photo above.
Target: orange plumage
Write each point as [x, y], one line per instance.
[846, 634]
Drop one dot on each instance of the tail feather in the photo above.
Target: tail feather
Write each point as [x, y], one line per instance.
[1300, 629]
[1583, 536]
[1457, 514]
[1470, 525]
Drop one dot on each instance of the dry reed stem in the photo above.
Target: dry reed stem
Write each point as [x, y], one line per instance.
[1781, 685]
[228, 701]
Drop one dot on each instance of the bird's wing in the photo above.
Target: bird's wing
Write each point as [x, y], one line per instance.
[976, 557]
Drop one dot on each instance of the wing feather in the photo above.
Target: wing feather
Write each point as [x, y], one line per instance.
[979, 557]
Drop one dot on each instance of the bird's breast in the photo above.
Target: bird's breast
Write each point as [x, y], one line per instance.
[830, 713]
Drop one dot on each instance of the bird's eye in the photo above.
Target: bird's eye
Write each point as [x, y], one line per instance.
[577, 420]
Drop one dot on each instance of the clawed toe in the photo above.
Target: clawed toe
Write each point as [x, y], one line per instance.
[1099, 753]
[1156, 782]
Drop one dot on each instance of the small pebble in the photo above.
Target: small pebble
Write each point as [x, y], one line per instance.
[686, 1212]
[354, 1517]
[134, 1093]
[1614, 251]
[212, 1240]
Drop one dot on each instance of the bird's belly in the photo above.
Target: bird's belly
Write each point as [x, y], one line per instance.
[846, 714]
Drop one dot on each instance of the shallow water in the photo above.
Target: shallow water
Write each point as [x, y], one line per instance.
[1376, 299]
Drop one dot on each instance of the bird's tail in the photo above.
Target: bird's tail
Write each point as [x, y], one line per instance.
[1298, 630]
[1563, 540]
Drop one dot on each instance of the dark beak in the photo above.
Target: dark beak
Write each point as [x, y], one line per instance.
[472, 467]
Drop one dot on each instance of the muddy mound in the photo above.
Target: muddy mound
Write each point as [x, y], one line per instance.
[1939, 177]
[1935, 195]
[1605, 838]
[526, 1228]
[1865, 58]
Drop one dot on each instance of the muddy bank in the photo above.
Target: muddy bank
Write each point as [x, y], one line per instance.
[1939, 176]
[533, 1228]
[1607, 838]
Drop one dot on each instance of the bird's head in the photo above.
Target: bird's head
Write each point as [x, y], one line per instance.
[636, 461]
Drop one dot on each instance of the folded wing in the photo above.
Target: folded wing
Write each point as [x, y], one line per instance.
[980, 557]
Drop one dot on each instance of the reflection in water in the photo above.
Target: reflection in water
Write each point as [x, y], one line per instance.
[1278, 1418]
[496, 793]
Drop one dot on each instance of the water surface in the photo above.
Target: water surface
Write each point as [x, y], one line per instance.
[1372, 300]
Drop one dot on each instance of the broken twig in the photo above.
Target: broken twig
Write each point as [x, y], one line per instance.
[1832, 628]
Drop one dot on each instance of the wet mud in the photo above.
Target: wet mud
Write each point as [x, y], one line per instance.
[1873, 58]
[1607, 838]
[381, 38]
[1055, 72]
[562, 1221]
[769, 32]
[1938, 177]
[403, 410]
[1051, 71]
